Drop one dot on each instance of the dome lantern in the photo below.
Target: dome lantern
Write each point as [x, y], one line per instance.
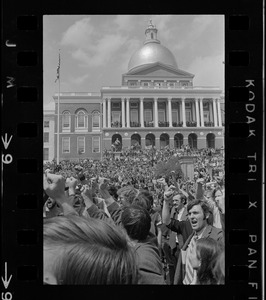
[151, 34]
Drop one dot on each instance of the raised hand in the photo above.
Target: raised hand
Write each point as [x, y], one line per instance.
[87, 194]
[168, 194]
[71, 182]
[54, 186]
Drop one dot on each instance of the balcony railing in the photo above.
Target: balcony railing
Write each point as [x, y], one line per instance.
[134, 124]
[177, 124]
[191, 124]
[116, 124]
[148, 124]
[208, 124]
[163, 124]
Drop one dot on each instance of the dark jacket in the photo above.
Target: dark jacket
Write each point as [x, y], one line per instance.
[182, 228]
[149, 263]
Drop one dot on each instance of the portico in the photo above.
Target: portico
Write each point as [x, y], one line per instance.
[156, 111]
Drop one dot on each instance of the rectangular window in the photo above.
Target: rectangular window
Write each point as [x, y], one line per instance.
[65, 145]
[46, 154]
[66, 121]
[171, 84]
[134, 115]
[161, 115]
[96, 144]
[161, 105]
[184, 83]
[81, 121]
[96, 121]
[134, 105]
[116, 116]
[206, 115]
[147, 115]
[46, 124]
[188, 116]
[205, 105]
[116, 104]
[133, 83]
[81, 144]
[46, 137]
[174, 116]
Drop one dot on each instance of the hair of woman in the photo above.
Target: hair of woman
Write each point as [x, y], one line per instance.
[207, 252]
[219, 269]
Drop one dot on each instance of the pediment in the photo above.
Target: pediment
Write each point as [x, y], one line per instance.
[160, 70]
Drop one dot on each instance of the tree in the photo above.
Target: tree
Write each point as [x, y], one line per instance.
[168, 168]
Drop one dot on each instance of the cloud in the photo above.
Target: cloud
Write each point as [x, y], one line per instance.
[79, 34]
[209, 71]
[90, 46]
[124, 22]
[200, 24]
[162, 24]
[102, 52]
[79, 80]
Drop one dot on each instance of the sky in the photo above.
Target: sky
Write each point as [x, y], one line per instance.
[95, 49]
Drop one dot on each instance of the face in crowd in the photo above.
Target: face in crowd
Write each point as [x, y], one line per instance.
[197, 216]
[177, 202]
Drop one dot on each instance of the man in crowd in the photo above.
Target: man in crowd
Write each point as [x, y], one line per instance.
[198, 214]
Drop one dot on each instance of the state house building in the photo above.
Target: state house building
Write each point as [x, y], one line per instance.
[156, 104]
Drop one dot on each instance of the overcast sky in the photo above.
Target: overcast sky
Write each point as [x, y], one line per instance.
[96, 49]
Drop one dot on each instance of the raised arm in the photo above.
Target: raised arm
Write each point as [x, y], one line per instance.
[54, 187]
[168, 196]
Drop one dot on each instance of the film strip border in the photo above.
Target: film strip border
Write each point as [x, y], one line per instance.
[22, 157]
[244, 205]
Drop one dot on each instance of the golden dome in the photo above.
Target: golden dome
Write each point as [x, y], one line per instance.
[152, 52]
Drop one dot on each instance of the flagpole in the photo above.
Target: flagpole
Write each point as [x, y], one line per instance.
[58, 110]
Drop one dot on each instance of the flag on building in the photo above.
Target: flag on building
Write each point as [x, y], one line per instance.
[58, 69]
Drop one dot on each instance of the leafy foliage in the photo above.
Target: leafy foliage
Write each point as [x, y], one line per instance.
[168, 168]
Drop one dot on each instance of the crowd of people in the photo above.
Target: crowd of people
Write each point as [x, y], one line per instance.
[119, 221]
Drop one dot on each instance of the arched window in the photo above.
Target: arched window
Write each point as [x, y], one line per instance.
[193, 141]
[81, 120]
[66, 119]
[164, 140]
[95, 120]
[178, 140]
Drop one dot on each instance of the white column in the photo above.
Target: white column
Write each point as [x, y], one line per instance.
[170, 112]
[141, 113]
[109, 113]
[155, 112]
[201, 112]
[128, 118]
[214, 111]
[184, 112]
[123, 111]
[104, 113]
[219, 113]
[197, 112]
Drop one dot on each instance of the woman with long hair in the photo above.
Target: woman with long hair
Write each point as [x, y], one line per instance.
[204, 259]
